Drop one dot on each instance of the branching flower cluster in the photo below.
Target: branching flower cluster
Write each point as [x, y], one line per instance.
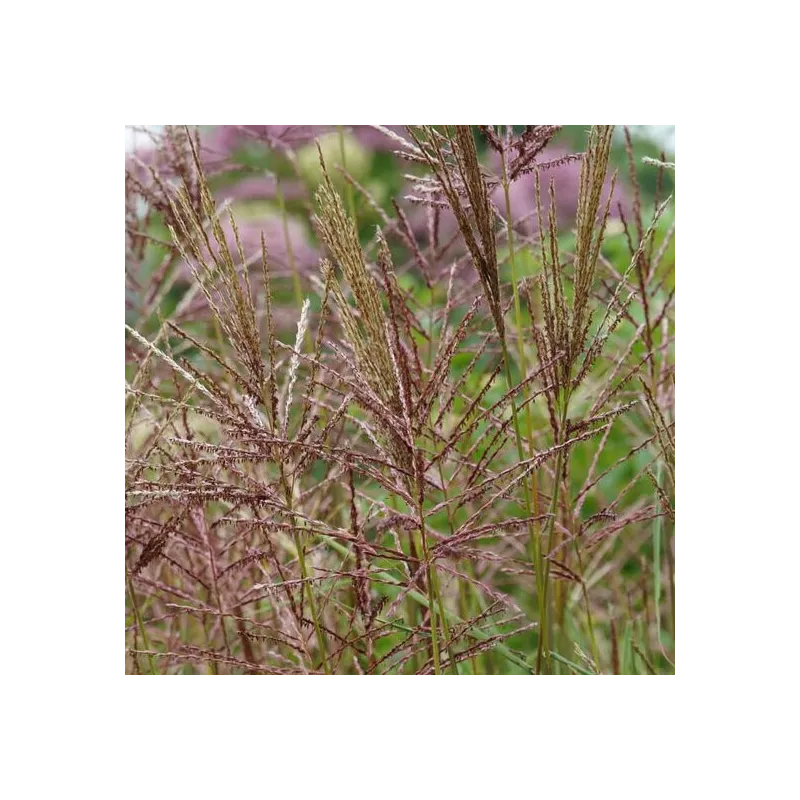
[378, 470]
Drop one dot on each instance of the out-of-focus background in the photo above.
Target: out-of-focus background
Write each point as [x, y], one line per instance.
[268, 174]
[661, 135]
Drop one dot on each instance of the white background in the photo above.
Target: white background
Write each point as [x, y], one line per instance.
[75, 725]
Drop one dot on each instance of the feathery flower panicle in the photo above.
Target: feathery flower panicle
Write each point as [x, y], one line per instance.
[658, 163]
[214, 266]
[294, 361]
[352, 489]
[453, 160]
[565, 324]
[367, 332]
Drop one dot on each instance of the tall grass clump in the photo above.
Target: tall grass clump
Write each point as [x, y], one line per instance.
[446, 449]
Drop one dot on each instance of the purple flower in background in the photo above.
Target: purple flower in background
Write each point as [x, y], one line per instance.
[263, 187]
[374, 139]
[170, 157]
[522, 195]
[566, 182]
[224, 140]
[305, 257]
[255, 196]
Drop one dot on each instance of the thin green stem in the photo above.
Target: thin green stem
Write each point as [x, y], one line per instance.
[384, 579]
[351, 202]
[298, 290]
[431, 595]
[535, 547]
[517, 303]
[445, 626]
[436, 587]
[542, 652]
[139, 625]
[304, 574]
[585, 590]
[534, 540]
[311, 602]
[657, 536]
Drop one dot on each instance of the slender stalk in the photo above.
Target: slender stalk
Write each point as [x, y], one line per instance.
[445, 626]
[384, 579]
[311, 602]
[585, 590]
[542, 652]
[517, 307]
[298, 290]
[657, 530]
[430, 569]
[670, 578]
[468, 592]
[304, 574]
[431, 595]
[437, 590]
[139, 625]
[535, 545]
[535, 548]
[410, 606]
[351, 201]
